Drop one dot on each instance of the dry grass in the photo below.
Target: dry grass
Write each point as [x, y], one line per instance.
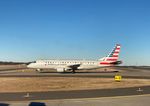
[60, 83]
[11, 67]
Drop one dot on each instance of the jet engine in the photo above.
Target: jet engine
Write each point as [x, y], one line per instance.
[60, 69]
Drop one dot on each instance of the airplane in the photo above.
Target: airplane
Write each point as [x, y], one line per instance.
[71, 65]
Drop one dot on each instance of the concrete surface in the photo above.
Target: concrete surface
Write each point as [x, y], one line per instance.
[111, 101]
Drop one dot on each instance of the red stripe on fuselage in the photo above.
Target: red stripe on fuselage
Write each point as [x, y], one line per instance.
[115, 56]
[117, 49]
[106, 63]
[116, 52]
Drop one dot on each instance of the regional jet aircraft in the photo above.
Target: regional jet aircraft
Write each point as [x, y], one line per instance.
[71, 65]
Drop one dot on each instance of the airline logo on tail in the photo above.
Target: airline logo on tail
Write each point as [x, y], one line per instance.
[112, 58]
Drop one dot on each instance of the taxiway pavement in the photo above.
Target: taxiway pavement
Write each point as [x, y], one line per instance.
[75, 94]
[142, 100]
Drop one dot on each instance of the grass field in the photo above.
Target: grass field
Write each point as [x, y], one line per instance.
[12, 84]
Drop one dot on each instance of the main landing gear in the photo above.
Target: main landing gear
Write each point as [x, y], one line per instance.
[73, 70]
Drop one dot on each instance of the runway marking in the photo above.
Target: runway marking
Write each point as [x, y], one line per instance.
[27, 95]
[139, 90]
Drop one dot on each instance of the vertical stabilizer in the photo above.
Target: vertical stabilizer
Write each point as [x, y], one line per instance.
[113, 56]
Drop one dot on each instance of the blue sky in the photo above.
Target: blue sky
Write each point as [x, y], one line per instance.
[82, 29]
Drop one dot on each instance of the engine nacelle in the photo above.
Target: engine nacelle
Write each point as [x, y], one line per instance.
[60, 69]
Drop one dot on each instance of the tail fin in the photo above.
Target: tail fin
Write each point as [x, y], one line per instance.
[113, 56]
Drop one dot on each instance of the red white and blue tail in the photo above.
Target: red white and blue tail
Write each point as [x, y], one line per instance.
[112, 57]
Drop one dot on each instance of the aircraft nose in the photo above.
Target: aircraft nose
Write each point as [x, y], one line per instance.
[29, 66]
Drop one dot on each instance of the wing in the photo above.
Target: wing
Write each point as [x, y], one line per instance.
[73, 66]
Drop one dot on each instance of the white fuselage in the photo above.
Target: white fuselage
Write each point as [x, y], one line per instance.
[65, 64]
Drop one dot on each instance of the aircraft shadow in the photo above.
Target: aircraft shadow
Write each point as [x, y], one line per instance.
[4, 104]
[36, 104]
